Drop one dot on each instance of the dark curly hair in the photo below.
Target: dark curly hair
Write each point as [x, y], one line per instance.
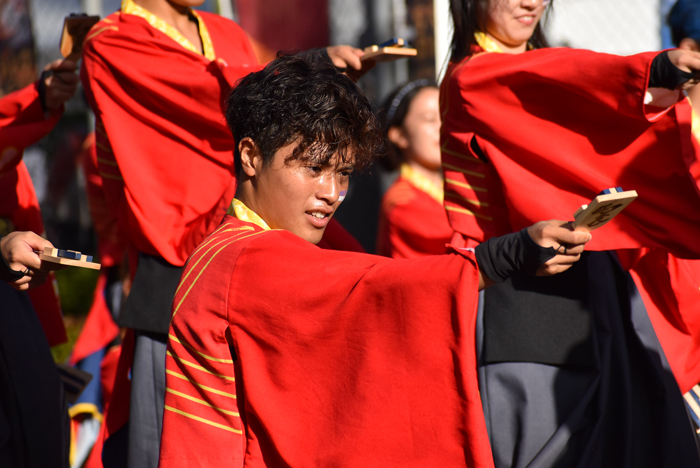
[297, 99]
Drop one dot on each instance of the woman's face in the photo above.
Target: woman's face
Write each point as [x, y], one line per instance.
[419, 136]
[511, 22]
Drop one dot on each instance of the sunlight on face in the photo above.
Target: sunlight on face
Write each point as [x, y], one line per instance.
[511, 22]
[300, 196]
[421, 130]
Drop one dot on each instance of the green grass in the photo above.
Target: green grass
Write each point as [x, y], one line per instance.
[76, 287]
[73, 327]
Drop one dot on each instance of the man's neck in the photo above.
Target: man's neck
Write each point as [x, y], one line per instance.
[177, 16]
[163, 9]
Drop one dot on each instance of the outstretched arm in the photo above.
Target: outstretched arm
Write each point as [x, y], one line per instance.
[544, 249]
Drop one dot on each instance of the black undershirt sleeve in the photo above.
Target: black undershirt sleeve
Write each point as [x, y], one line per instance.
[499, 257]
[664, 74]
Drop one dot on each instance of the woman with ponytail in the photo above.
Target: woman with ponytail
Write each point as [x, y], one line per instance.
[571, 370]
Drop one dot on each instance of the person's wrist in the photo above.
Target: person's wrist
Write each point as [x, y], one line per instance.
[6, 272]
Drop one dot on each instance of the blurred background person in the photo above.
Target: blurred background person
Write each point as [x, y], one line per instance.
[412, 220]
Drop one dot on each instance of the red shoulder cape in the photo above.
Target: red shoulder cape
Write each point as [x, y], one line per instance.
[163, 149]
[555, 127]
[343, 359]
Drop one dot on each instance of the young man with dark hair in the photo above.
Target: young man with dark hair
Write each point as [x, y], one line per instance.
[284, 354]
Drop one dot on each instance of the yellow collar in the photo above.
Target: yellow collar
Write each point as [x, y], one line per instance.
[486, 43]
[422, 183]
[130, 8]
[242, 212]
[489, 45]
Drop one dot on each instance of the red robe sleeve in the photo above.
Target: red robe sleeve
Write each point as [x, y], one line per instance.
[22, 123]
[412, 224]
[533, 136]
[336, 237]
[341, 359]
[110, 242]
[163, 149]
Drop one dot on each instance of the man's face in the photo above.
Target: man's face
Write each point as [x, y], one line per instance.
[299, 196]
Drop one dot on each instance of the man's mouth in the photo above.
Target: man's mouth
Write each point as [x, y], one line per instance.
[318, 219]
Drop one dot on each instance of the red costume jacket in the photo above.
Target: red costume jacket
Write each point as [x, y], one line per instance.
[412, 220]
[163, 148]
[284, 354]
[578, 124]
[23, 123]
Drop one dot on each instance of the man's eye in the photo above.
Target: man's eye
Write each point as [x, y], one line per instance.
[315, 169]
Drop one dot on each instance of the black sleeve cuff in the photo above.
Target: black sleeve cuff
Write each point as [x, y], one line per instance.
[664, 74]
[500, 257]
[7, 274]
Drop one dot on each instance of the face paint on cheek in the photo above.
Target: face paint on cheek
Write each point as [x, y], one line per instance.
[341, 197]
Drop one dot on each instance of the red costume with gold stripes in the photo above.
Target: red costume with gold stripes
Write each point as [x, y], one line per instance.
[534, 136]
[284, 354]
[163, 149]
[549, 162]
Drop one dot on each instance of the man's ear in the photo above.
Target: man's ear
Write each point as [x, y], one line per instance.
[251, 157]
[397, 136]
[689, 44]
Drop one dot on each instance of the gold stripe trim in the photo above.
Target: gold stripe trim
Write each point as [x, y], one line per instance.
[466, 186]
[207, 44]
[203, 387]
[113, 28]
[422, 183]
[202, 402]
[210, 358]
[202, 420]
[109, 176]
[103, 147]
[129, 7]
[243, 213]
[467, 212]
[108, 162]
[468, 200]
[463, 171]
[211, 238]
[198, 367]
[204, 268]
[461, 156]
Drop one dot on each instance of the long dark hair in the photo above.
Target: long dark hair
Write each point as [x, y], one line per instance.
[469, 16]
